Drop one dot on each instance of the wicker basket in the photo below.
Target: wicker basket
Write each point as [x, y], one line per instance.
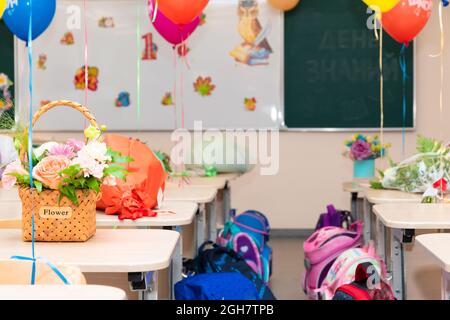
[54, 220]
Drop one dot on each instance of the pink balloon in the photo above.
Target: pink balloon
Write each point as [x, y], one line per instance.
[173, 33]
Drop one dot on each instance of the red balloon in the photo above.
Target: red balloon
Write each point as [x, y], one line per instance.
[407, 19]
[182, 11]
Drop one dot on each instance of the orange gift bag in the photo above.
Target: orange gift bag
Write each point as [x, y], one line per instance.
[143, 190]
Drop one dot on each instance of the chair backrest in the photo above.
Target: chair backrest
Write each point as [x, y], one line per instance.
[16, 272]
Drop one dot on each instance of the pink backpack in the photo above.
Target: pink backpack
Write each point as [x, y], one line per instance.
[344, 268]
[321, 250]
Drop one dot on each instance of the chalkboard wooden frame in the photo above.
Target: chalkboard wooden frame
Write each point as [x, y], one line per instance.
[411, 126]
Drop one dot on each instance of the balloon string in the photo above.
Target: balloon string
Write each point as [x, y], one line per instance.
[30, 138]
[441, 93]
[86, 69]
[381, 93]
[138, 62]
[404, 77]
[174, 98]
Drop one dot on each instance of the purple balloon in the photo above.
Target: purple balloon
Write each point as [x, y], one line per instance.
[172, 32]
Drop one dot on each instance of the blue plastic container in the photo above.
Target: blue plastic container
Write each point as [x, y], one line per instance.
[364, 168]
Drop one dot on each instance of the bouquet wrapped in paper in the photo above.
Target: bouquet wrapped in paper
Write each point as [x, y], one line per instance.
[425, 172]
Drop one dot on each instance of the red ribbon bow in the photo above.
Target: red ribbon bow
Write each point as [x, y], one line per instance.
[132, 206]
[441, 183]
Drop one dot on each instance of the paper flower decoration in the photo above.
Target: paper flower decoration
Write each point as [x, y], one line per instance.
[204, 86]
[67, 39]
[106, 22]
[250, 104]
[41, 62]
[202, 19]
[123, 100]
[167, 100]
[79, 80]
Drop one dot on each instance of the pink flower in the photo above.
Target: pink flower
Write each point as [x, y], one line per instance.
[62, 150]
[361, 150]
[14, 167]
[76, 145]
[48, 169]
[90, 166]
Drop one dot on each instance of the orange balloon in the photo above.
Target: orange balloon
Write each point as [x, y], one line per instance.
[284, 5]
[182, 11]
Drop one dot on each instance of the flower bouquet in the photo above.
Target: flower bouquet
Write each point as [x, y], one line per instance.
[363, 150]
[426, 172]
[66, 181]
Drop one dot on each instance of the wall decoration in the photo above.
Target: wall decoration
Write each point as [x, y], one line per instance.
[67, 39]
[41, 62]
[204, 86]
[202, 19]
[79, 80]
[250, 104]
[123, 100]
[151, 49]
[167, 100]
[208, 55]
[106, 22]
[255, 49]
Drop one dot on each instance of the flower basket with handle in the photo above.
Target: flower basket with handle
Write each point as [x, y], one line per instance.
[66, 182]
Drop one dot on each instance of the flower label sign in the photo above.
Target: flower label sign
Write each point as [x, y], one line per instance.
[55, 212]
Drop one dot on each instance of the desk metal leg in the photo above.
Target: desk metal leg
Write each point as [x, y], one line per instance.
[226, 203]
[445, 285]
[354, 206]
[212, 220]
[398, 264]
[200, 228]
[367, 221]
[146, 283]
[381, 239]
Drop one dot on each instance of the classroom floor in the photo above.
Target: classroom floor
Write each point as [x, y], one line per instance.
[287, 268]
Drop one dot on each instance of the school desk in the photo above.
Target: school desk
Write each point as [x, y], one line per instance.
[206, 199]
[172, 215]
[60, 292]
[138, 253]
[381, 196]
[438, 245]
[402, 219]
[220, 181]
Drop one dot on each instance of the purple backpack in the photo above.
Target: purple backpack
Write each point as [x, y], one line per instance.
[334, 218]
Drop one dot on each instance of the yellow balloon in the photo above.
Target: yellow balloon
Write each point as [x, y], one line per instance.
[284, 5]
[2, 7]
[382, 5]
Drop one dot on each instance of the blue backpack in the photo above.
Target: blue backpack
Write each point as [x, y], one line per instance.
[219, 259]
[248, 234]
[216, 286]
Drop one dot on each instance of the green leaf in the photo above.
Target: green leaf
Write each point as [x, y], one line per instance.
[375, 184]
[425, 145]
[116, 171]
[116, 157]
[38, 185]
[70, 192]
[71, 171]
[93, 184]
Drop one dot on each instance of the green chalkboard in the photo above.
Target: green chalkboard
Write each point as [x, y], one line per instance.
[332, 69]
[7, 119]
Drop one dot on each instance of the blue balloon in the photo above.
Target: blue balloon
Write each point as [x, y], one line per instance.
[17, 17]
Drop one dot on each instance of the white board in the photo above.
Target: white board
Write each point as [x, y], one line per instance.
[114, 52]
